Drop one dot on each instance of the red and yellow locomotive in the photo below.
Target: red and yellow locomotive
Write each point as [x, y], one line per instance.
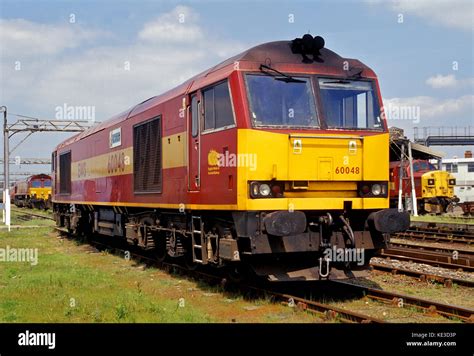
[276, 159]
[33, 192]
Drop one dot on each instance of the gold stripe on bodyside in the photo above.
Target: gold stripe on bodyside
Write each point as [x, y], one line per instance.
[114, 163]
[120, 162]
[153, 205]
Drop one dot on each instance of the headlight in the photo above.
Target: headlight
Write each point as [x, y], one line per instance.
[376, 189]
[254, 189]
[431, 182]
[372, 189]
[264, 190]
[452, 182]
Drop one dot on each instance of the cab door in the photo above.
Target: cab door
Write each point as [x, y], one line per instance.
[194, 144]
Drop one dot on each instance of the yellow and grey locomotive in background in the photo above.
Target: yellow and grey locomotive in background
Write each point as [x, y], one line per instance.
[437, 191]
[434, 188]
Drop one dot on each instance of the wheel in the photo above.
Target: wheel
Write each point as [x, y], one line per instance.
[159, 251]
[188, 259]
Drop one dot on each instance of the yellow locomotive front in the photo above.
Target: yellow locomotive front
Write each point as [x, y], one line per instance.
[317, 192]
[325, 171]
[437, 191]
[39, 192]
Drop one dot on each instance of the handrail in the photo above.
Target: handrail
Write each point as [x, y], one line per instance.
[290, 136]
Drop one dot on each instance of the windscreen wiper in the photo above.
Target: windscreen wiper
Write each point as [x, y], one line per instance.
[339, 81]
[281, 76]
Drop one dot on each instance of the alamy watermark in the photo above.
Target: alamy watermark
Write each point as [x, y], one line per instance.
[74, 112]
[402, 112]
[11, 254]
[29, 338]
[338, 254]
[232, 159]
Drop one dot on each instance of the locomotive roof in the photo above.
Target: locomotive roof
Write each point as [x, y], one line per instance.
[271, 53]
[32, 177]
[39, 176]
[396, 164]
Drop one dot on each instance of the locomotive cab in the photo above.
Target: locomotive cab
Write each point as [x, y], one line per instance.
[311, 163]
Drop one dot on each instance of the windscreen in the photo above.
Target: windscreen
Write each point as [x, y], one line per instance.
[423, 166]
[36, 184]
[349, 104]
[278, 103]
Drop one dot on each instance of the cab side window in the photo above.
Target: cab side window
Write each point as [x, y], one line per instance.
[195, 115]
[218, 111]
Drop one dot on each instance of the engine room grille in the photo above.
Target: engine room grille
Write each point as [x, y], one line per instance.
[147, 174]
[65, 173]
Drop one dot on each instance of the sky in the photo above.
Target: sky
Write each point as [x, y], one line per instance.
[108, 55]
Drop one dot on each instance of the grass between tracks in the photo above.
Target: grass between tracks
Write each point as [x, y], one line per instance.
[73, 282]
[19, 217]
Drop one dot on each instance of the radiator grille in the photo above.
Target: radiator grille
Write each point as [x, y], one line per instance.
[147, 172]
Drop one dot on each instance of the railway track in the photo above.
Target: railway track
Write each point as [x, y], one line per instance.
[402, 300]
[423, 276]
[328, 311]
[434, 258]
[435, 235]
[27, 214]
[450, 250]
[462, 225]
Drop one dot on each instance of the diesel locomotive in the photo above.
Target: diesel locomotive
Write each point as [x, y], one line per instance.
[33, 192]
[275, 161]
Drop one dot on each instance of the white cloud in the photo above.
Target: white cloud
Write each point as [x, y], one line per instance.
[101, 77]
[456, 13]
[179, 25]
[20, 38]
[442, 81]
[448, 81]
[97, 75]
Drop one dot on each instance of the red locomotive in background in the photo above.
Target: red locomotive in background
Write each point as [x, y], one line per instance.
[272, 160]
